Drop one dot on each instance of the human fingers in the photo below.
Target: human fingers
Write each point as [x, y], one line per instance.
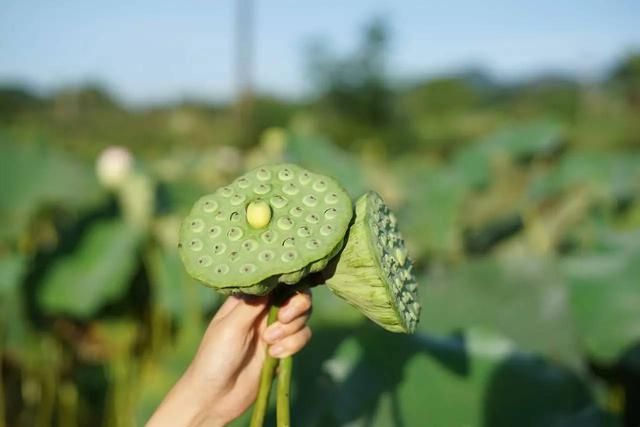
[226, 307]
[291, 344]
[297, 305]
[278, 331]
[244, 315]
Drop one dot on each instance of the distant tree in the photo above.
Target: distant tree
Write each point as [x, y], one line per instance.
[15, 100]
[442, 96]
[355, 86]
[627, 76]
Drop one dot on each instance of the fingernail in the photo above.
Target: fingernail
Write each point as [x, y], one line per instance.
[273, 333]
[276, 351]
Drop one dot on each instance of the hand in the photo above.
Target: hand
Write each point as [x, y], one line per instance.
[222, 380]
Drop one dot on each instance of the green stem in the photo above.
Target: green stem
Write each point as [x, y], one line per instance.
[266, 378]
[284, 386]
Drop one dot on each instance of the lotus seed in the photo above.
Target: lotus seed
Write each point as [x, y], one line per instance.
[326, 229]
[233, 256]
[285, 223]
[266, 256]
[258, 214]
[285, 174]
[320, 186]
[214, 231]
[296, 211]
[331, 198]
[330, 213]
[226, 191]
[312, 218]
[205, 260]
[222, 269]
[290, 189]
[197, 225]
[310, 200]
[248, 268]
[234, 233]
[209, 206]
[243, 182]
[220, 216]
[289, 242]
[305, 178]
[289, 256]
[304, 231]
[268, 236]
[278, 202]
[250, 245]
[219, 248]
[237, 199]
[263, 174]
[196, 244]
[313, 244]
[262, 189]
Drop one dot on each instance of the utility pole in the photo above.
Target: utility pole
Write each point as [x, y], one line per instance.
[243, 70]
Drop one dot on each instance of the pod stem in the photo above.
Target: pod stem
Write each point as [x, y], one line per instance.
[266, 378]
[284, 386]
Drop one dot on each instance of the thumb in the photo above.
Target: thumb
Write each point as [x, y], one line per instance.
[244, 314]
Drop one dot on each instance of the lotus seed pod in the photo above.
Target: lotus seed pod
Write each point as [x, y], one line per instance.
[273, 225]
[374, 273]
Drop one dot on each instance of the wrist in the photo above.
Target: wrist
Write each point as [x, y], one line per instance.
[185, 406]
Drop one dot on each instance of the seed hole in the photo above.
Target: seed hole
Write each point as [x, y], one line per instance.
[209, 206]
[305, 178]
[310, 200]
[214, 231]
[320, 186]
[296, 211]
[262, 189]
[304, 231]
[250, 245]
[330, 213]
[285, 174]
[331, 198]
[263, 174]
[326, 229]
[195, 244]
[266, 256]
[285, 223]
[289, 256]
[290, 189]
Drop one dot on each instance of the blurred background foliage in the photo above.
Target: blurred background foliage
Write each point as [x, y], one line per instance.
[520, 204]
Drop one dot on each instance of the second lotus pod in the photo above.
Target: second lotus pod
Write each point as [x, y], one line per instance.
[273, 225]
[374, 273]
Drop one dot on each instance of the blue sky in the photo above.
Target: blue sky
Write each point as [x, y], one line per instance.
[153, 50]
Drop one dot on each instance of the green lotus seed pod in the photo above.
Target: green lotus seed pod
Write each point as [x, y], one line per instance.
[373, 272]
[273, 225]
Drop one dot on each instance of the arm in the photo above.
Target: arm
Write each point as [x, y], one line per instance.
[222, 380]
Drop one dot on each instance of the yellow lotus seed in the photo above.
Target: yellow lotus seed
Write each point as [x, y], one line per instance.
[258, 214]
